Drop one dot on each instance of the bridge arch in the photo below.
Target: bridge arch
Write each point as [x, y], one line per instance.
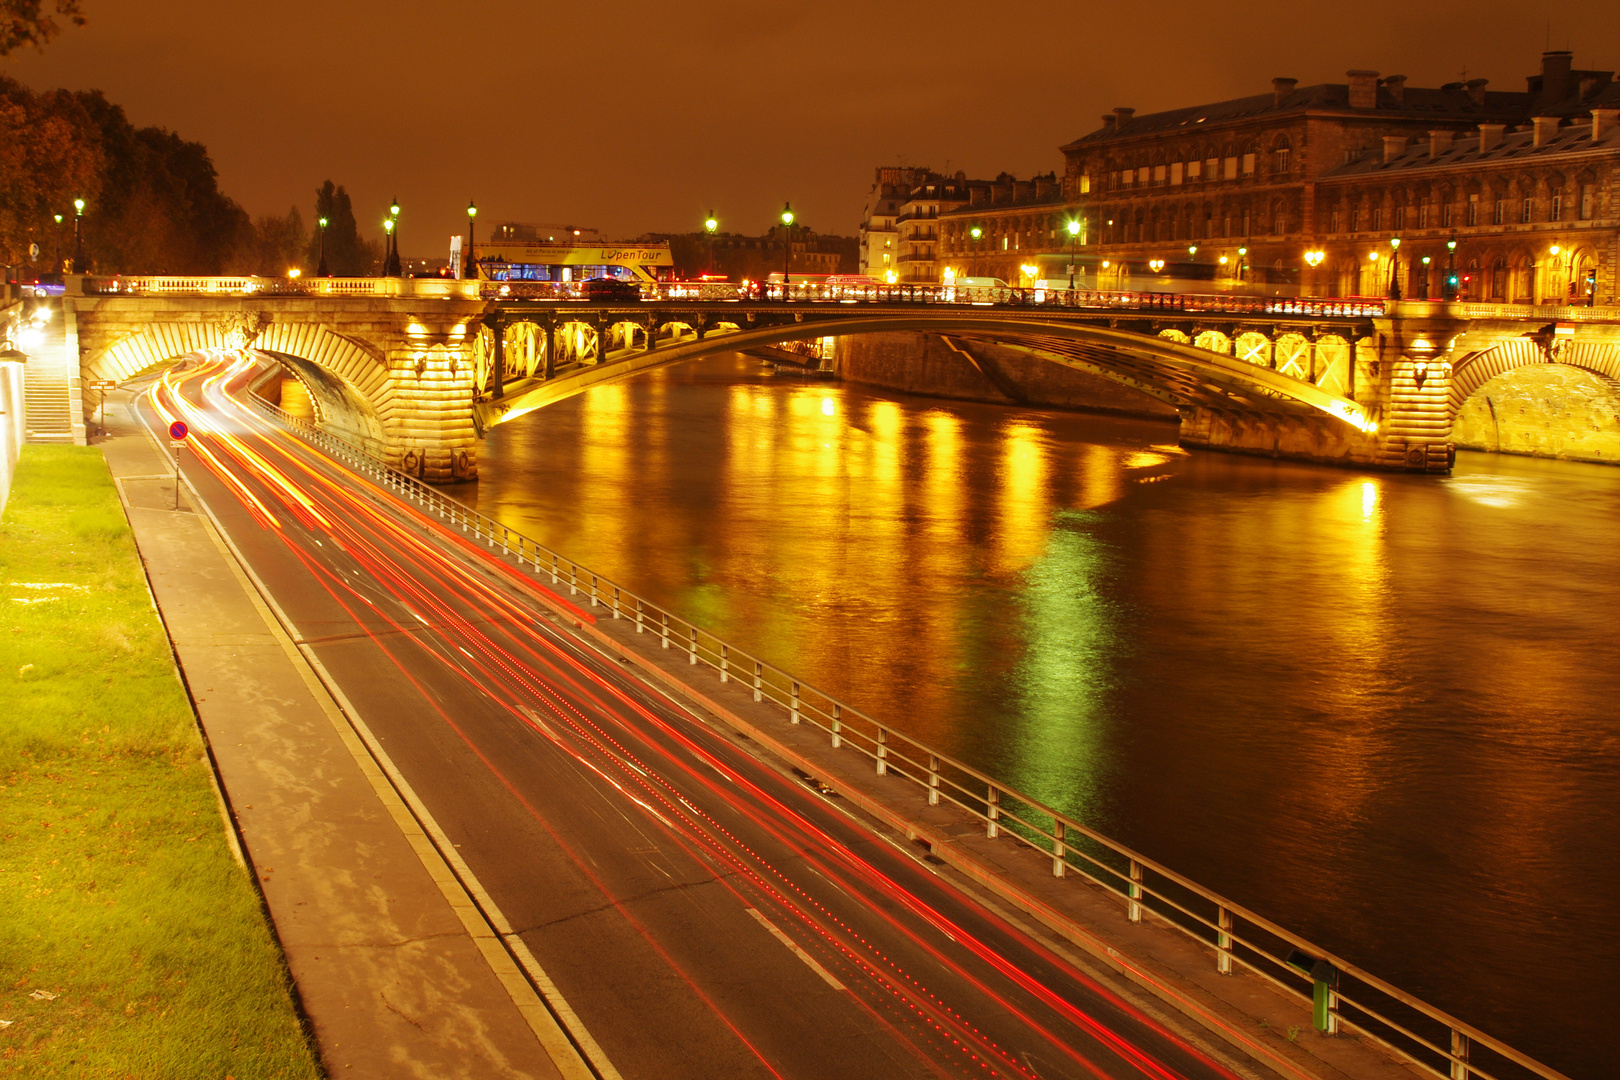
[1521, 397]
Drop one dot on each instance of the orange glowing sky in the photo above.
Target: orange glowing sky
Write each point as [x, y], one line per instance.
[632, 116]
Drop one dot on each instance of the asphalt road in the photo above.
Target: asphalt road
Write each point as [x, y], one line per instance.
[704, 914]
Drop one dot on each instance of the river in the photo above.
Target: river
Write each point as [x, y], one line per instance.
[1383, 710]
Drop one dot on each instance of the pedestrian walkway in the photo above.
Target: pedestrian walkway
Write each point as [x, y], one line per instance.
[396, 968]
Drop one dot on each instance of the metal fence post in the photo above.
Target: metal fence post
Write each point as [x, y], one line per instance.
[694, 645]
[1459, 1055]
[794, 711]
[615, 601]
[882, 751]
[1133, 910]
[759, 672]
[1223, 941]
[638, 614]
[838, 726]
[554, 574]
[992, 811]
[725, 660]
[933, 779]
[593, 590]
[663, 628]
[1060, 865]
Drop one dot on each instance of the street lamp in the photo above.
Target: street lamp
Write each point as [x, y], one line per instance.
[1243, 262]
[470, 260]
[56, 264]
[710, 224]
[1394, 268]
[1074, 239]
[787, 244]
[388, 246]
[1449, 290]
[1313, 259]
[78, 236]
[320, 269]
[393, 269]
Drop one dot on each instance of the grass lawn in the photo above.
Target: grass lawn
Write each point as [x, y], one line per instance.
[118, 892]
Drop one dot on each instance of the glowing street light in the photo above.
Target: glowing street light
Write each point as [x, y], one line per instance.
[56, 264]
[787, 244]
[1394, 267]
[320, 268]
[1313, 259]
[1074, 239]
[78, 236]
[710, 224]
[470, 260]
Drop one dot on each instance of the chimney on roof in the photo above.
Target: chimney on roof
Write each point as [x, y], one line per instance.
[1108, 123]
[1440, 142]
[1396, 85]
[1603, 122]
[1555, 76]
[1545, 128]
[1124, 115]
[1363, 89]
[1394, 147]
[1476, 89]
[1490, 136]
[1281, 88]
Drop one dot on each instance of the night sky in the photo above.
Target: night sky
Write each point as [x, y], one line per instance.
[632, 116]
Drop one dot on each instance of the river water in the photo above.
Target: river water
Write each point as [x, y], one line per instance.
[1382, 710]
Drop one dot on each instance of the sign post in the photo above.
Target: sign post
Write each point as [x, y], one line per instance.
[101, 386]
[177, 442]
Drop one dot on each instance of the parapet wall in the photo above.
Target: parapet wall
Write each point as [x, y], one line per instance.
[11, 424]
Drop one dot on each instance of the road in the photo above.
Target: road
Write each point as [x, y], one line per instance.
[705, 914]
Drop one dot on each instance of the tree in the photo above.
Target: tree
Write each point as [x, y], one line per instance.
[347, 255]
[278, 244]
[28, 22]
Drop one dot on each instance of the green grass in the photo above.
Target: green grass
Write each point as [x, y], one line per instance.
[118, 892]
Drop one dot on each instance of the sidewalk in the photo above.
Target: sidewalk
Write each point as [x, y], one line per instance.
[397, 970]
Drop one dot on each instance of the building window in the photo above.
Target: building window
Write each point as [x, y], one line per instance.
[1557, 212]
[1526, 210]
[1226, 226]
[1473, 210]
[1245, 223]
[1248, 164]
[1158, 174]
[1085, 183]
[1586, 202]
[1194, 169]
[1423, 214]
[1333, 220]
[1445, 216]
[1142, 175]
[1498, 212]
[1355, 219]
[1175, 172]
[1212, 169]
[1378, 219]
[1229, 169]
[1280, 161]
[1400, 218]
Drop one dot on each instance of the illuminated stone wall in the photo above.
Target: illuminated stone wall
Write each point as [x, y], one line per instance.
[1548, 410]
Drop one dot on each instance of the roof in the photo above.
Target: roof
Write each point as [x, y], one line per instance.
[1516, 147]
[1453, 102]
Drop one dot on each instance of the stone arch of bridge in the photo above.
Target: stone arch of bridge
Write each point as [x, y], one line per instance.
[1474, 370]
[348, 382]
[1182, 374]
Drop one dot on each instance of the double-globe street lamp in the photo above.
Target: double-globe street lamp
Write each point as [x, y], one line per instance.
[391, 267]
[787, 244]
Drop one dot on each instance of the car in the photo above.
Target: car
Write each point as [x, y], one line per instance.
[607, 288]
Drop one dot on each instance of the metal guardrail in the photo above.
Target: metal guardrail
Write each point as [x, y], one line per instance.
[270, 286]
[1342, 996]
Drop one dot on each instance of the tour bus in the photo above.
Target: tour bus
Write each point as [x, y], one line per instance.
[521, 251]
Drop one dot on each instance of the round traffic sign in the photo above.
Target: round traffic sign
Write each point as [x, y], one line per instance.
[178, 429]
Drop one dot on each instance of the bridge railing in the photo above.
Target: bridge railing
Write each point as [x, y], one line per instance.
[845, 292]
[269, 286]
[1342, 996]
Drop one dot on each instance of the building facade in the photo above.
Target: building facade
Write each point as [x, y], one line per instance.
[1237, 193]
[1010, 229]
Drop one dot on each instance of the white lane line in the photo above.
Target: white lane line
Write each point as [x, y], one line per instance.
[810, 961]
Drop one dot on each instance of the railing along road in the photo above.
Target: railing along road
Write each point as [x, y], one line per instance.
[1342, 996]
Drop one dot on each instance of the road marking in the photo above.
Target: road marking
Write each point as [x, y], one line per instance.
[810, 961]
[485, 923]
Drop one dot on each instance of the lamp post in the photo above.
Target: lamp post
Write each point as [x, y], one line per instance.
[1394, 268]
[710, 224]
[320, 269]
[975, 232]
[1243, 262]
[1074, 241]
[1313, 259]
[787, 244]
[388, 247]
[56, 263]
[391, 267]
[78, 236]
[470, 259]
[1448, 291]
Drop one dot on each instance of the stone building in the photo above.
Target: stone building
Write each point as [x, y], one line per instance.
[1015, 230]
[1234, 194]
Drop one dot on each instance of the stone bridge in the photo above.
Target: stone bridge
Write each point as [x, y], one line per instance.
[417, 369]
